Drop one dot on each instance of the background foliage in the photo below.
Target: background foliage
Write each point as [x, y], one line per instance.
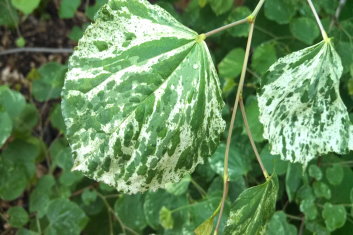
[40, 195]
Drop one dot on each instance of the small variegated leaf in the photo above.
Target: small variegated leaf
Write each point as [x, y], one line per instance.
[141, 99]
[301, 108]
[253, 208]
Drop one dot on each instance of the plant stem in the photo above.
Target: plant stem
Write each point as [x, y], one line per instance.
[323, 32]
[257, 8]
[248, 131]
[226, 27]
[337, 14]
[36, 50]
[231, 126]
[248, 19]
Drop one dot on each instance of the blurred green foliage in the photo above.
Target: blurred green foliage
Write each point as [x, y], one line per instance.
[40, 195]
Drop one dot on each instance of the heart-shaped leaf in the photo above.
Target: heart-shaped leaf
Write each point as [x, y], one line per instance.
[253, 209]
[141, 99]
[301, 108]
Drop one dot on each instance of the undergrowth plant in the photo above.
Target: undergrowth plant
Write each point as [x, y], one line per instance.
[143, 107]
[171, 143]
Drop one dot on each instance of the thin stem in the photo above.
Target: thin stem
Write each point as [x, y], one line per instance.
[323, 32]
[199, 188]
[257, 8]
[231, 126]
[248, 131]
[39, 227]
[36, 50]
[110, 212]
[242, 21]
[294, 217]
[337, 14]
[248, 19]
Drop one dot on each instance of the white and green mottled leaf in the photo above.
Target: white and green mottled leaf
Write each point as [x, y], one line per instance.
[301, 108]
[141, 99]
[253, 208]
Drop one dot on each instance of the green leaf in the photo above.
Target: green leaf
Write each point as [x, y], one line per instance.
[166, 218]
[253, 208]
[202, 3]
[205, 228]
[68, 8]
[131, 212]
[20, 42]
[92, 10]
[28, 118]
[24, 153]
[321, 190]
[201, 209]
[236, 14]
[301, 108]
[61, 155]
[76, 33]
[264, 56]
[252, 113]
[220, 6]
[335, 174]
[50, 82]
[293, 180]
[89, 196]
[24, 231]
[8, 15]
[345, 50]
[279, 225]
[273, 163]
[334, 215]
[232, 63]
[315, 172]
[280, 11]
[5, 127]
[146, 108]
[56, 119]
[18, 216]
[307, 206]
[238, 163]
[179, 188]
[304, 29]
[39, 198]
[68, 178]
[13, 179]
[26, 6]
[65, 217]
[154, 201]
[11, 101]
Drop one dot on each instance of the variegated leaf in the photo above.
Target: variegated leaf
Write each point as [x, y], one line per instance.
[141, 99]
[253, 208]
[301, 108]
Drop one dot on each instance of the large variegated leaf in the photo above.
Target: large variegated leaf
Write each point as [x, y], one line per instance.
[141, 99]
[253, 208]
[301, 108]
